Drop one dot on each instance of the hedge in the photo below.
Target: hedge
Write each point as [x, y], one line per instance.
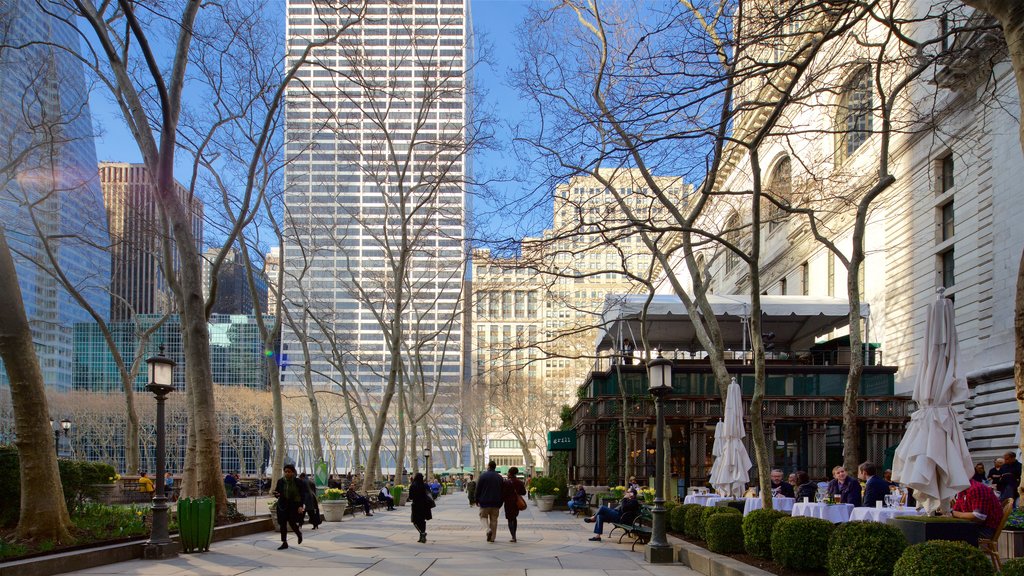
[677, 520]
[757, 531]
[864, 549]
[725, 533]
[694, 519]
[801, 543]
[1013, 567]
[943, 558]
[708, 512]
[77, 477]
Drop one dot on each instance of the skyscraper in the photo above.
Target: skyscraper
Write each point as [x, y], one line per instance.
[137, 282]
[374, 248]
[49, 187]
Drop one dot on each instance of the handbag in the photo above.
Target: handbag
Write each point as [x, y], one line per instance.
[430, 502]
[520, 502]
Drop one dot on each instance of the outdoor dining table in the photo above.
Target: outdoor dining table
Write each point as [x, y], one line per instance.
[883, 514]
[834, 513]
[701, 499]
[780, 503]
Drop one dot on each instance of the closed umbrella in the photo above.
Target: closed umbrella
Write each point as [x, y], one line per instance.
[932, 458]
[729, 473]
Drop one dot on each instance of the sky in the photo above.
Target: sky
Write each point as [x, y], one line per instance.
[493, 20]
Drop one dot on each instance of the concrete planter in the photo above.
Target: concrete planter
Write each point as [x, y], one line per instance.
[403, 499]
[545, 503]
[1011, 544]
[106, 493]
[333, 510]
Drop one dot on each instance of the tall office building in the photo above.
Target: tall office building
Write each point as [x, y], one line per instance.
[137, 282]
[376, 128]
[49, 162]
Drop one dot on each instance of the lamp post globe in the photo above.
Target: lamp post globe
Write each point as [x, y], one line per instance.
[161, 383]
[659, 383]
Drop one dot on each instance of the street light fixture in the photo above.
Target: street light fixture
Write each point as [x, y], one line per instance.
[161, 378]
[426, 461]
[59, 427]
[659, 381]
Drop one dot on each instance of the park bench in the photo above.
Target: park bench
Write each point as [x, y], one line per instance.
[593, 503]
[639, 529]
[353, 508]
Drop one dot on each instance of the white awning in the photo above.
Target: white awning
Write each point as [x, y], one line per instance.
[795, 320]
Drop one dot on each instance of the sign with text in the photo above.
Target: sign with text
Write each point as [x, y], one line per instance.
[561, 440]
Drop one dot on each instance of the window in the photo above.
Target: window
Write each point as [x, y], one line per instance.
[782, 287]
[732, 235]
[853, 122]
[831, 274]
[948, 270]
[946, 174]
[780, 188]
[805, 279]
[947, 221]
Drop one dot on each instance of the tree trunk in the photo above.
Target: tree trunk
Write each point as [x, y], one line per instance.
[756, 343]
[314, 407]
[43, 514]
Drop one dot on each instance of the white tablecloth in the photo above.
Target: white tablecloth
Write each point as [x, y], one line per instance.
[701, 499]
[780, 503]
[834, 513]
[883, 514]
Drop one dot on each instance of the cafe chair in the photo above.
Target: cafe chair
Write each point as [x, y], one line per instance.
[990, 546]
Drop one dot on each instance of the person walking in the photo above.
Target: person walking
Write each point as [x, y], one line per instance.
[471, 491]
[291, 497]
[490, 496]
[512, 490]
[311, 503]
[422, 502]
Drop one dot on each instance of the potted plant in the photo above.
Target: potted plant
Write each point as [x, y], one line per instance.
[647, 494]
[399, 494]
[272, 504]
[333, 504]
[105, 492]
[544, 489]
[1011, 541]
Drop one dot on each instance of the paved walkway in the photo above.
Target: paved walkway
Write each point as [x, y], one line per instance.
[550, 544]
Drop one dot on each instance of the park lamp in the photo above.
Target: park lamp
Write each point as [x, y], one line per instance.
[659, 375]
[65, 425]
[161, 373]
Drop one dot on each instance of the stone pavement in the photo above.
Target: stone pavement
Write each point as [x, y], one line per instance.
[550, 544]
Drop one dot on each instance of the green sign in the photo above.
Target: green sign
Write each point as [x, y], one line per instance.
[320, 473]
[561, 440]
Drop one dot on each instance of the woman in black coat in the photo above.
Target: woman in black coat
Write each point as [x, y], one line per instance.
[510, 492]
[422, 502]
[806, 488]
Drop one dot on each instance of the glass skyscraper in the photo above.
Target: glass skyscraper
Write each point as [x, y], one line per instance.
[376, 129]
[47, 150]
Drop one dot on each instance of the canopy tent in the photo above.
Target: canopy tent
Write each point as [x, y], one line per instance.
[795, 320]
[457, 470]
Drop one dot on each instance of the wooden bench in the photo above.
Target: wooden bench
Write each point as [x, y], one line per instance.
[592, 505]
[353, 508]
[640, 529]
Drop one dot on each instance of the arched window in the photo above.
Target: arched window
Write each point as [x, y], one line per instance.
[780, 187]
[854, 119]
[732, 235]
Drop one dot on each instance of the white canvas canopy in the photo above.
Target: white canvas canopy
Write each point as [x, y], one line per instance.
[795, 320]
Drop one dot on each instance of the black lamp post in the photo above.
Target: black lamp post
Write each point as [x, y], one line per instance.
[161, 373]
[64, 427]
[659, 381]
[426, 462]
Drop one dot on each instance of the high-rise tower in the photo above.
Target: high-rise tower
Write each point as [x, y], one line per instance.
[376, 130]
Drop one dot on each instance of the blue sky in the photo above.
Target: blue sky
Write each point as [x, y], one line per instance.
[493, 20]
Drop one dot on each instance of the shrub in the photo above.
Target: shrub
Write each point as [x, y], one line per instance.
[943, 558]
[677, 519]
[757, 531]
[708, 512]
[694, 519]
[100, 521]
[669, 506]
[544, 486]
[725, 533]
[1013, 567]
[801, 543]
[864, 549]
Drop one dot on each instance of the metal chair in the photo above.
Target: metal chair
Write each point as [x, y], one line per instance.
[990, 546]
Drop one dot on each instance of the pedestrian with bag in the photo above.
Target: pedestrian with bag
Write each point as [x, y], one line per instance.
[422, 502]
[290, 492]
[513, 491]
[312, 503]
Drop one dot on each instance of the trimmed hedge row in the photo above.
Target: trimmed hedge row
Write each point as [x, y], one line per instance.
[725, 533]
[943, 558]
[801, 543]
[1013, 567]
[677, 520]
[78, 478]
[694, 518]
[707, 512]
[757, 531]
[865, 549]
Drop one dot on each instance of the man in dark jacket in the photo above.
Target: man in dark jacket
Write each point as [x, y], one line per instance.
[875, 488]
[490, 498]
[625, 513]
[291, 497]
[356, 499]
[780, 487]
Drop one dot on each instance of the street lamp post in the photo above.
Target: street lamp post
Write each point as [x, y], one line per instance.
[64, 426]
[161, 373]
[659, 379]
[426, 462]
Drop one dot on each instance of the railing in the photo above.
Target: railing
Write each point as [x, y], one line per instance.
[608, 407]
[813, 357]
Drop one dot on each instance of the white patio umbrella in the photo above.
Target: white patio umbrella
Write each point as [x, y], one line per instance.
[932, 458]
[729, 473]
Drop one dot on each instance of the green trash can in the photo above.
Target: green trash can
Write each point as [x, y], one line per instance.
[195, 524]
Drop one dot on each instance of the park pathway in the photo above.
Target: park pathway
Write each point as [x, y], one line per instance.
[550, 544]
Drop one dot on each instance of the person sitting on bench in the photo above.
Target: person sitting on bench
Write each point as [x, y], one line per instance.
[579, 500]
[354, 499]
[625, 513]
[385, 496]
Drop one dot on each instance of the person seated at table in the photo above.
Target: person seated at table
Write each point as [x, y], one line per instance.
[846, 487]
[354, 499]
[875, 489]
[996, 472]
[792, 480]
[579, 500]
[979, 473]
[385, 495]
[625, 513]
[805, 488]
[978, 503]
[781, 487]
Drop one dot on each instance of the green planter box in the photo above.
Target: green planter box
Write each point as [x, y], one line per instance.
[195, 524]
[919, 529]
